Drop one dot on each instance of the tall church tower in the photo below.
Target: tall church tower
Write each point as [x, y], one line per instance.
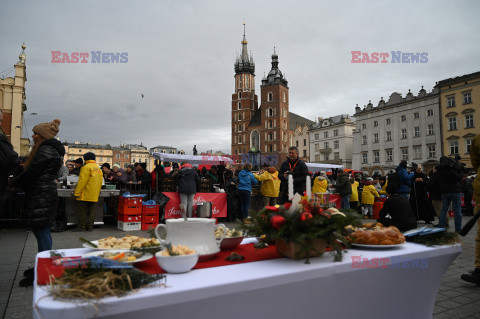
[244, 100]
[275, 134]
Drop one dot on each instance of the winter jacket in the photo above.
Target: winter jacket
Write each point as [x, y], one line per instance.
[405, 180]
[187, 180]
[122, 178]
[433, 187]
[146, 178]
[368, 194]
[8, 161]
[400, 212]
[344, 187]
[89, 182]
[38, 182]
[270, 184]
[354, 196]
[131, 177]
[245, 180]
[319, 186]
[299, 170]
[62, 173]
[475, 159]
[448, 178]
[384, 188]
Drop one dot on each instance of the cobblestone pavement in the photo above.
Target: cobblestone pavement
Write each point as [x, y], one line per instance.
[455, 299]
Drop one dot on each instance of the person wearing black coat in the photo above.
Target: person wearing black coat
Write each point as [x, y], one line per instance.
[38, 182]
[421, 206]
[187, 180]
[299, 170]
[8, 161]
[434, 193]
[467, 190]
[344, 188]
[399, 210]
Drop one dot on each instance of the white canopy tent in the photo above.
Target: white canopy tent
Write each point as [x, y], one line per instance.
[317, 167]
[193, 159]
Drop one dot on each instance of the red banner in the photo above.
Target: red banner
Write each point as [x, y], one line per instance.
[336, 200]
[219, 204]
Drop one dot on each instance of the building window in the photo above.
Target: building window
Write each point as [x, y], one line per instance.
[404, 153]
[389, 136]
[126, 156]
[451, 101]
[417, 152]
[335, 132]
[469, 121]
[416, 115]
[239, 94]
[468, 145]
[296, 143]
[255, 139]
[389, 155]
[416, 131]
[270, 96]
[429, 113]
[452, 123]
[317, 136]
[467, 98]
[431, 151]
[375, 123]
[336, 144]
[364, 158]
[270, 124]
[336, 156]
[375, 138]
[376, 156]
[239, 127]
[304, 142]
[364, 126]
[117, 156]
[317, 157]
[325, 145]
[326, 157]
[364, 140]
[239, 139]
[404, 118]
[239, 105]
[388, 121]
[304, 153]
[317, 147]
[454, 148]
[431, 131]
[284, 98]
[325, 134]
[404, 133]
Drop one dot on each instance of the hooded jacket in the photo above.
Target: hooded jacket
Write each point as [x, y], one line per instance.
[354, 196]
[89, 182]
[38, 182]
[369, 193]
[245, 180]
[187, 180]
[270, 183]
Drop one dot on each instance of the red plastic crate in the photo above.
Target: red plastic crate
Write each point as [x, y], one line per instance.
[146, 226]
[129, 201]
[129, 218]
[150, 209]
[150, 218]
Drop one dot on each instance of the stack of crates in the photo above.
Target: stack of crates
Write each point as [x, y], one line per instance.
[130, 212]
[150, 215]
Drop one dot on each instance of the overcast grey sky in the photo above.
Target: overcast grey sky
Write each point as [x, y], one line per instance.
[181, 56]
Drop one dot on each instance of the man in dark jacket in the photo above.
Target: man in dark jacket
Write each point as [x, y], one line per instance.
[449, 178]
[467, 191]
[298, 169]
[144, 178]
[405, 179]
[78, 163]
[38, 182]
[401, 215]
[187, 180]
[344, 188]
[8, 160]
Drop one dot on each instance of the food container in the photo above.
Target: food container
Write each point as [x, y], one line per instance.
[177, 264]
[229, 243]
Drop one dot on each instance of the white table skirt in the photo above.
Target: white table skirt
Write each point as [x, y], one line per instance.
[281, 288]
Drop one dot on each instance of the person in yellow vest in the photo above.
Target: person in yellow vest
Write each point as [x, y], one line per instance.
[354, 196]
[368, 197]
[320, 185]
[270, 185]
[87, 192]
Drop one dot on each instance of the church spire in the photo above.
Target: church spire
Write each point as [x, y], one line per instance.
[244, 63]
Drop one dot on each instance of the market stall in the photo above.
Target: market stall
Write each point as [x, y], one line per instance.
[193, 159]
[403, 285]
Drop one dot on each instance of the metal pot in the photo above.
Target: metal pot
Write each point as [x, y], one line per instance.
[204, 210]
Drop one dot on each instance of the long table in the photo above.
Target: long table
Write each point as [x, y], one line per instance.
[398, 283]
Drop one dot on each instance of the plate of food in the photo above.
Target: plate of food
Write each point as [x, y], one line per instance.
[125, 256]
[374, 235]
[124, 243]
[232, 238]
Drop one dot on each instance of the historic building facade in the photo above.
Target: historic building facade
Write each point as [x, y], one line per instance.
[460, 118]
[403, 128]
[262, 133]
[103, 153]
[331, 140]
[12, 98]
[121, 156]
[301, 141]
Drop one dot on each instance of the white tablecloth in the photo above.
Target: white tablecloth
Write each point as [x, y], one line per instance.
[281, 288]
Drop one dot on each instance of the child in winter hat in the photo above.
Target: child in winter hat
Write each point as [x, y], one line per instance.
[47, 130]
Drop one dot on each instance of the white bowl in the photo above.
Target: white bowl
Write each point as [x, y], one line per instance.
[177, 264]
[229, 243]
